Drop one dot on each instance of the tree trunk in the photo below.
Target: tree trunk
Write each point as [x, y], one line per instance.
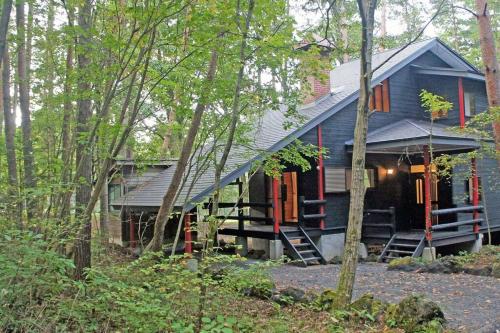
[235, 115]
[4, 26]
[488, 52]
[10, 131]
[82, 257]
[67, 149]
[104, 212]
[24, 102]
[350, 258]
[168, 200]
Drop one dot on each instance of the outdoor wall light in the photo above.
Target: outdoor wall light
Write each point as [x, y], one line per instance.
[390, 171]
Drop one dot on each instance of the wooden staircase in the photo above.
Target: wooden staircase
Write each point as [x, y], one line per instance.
[402, 246]
[299, 246]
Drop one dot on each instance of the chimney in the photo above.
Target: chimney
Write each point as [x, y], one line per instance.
[318, 82]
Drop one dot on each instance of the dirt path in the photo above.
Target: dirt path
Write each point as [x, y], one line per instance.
[470, 303]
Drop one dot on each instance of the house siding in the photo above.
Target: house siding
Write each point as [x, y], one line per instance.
[405, 86]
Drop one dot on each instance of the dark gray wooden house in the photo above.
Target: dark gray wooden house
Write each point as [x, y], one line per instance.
[407, 205]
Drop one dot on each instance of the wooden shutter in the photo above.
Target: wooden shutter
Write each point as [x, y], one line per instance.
[385, 96]
[335, 180]
[378, 98]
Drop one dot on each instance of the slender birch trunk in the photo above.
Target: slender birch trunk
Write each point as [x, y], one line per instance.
[358, 189]
[169, 198]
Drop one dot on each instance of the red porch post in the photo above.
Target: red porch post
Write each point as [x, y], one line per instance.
[427, 189]
[461, 102]
[320, 176]
[188, 247]
[276, 215]
[475, 194]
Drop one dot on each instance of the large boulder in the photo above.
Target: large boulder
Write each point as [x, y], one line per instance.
[414, 312]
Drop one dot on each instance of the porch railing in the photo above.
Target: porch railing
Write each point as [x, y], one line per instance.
[307, 218]
[389, 213]
[475, 221]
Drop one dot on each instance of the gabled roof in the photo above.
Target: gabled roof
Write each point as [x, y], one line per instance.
[271, 136]
[409, 135]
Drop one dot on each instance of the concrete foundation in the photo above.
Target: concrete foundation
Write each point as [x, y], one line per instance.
[275, 249]
[362, 251]
[241, 246]
[192, 265]
[429, 253]
[259, 244]
[331, 245]
[477, 245]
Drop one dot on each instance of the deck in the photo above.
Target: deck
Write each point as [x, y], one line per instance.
[265, 231]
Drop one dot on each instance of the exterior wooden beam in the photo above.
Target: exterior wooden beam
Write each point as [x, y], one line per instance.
[475, 194]
[461, 102]
[427, 189]
[321, 191]
[276, 213]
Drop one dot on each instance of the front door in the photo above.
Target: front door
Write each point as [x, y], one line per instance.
[417, 196]
[289, 197]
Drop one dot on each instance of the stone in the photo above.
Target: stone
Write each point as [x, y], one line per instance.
[414, 311]
[296, 295]
[405, 264]
[337, 260]
[369, 304]
[495, 270]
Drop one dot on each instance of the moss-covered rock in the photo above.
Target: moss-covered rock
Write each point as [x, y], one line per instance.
[413, 313]
[369, 304]
[407, 264]
[495, 270]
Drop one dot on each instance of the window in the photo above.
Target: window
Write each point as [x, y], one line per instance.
[469, 104]
[114, 191]
[338, 180]
[380, 100]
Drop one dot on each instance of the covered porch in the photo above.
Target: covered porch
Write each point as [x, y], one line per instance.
[412, 207]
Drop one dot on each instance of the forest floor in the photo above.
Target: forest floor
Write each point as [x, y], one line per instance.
[470, 303]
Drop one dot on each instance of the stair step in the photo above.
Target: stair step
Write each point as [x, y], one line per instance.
[302, 245]
[404, 245]
[296, 237]
[400, 251]
[312, 258]
[306, 252]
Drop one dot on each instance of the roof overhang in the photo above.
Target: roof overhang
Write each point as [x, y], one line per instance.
[449, 72]
[415, 146]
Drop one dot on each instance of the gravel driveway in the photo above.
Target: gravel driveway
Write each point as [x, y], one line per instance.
[470, 303]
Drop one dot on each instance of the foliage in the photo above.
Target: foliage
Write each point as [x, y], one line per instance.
[296, 154]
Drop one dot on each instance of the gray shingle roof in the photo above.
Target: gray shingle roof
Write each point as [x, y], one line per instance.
[270, 134]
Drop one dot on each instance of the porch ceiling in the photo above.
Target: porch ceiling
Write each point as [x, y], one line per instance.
[409, 136]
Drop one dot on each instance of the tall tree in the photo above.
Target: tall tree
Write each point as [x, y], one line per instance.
[4, 25]
[82, 256]
[358, 187]
[489, 56]
[10, 130]
[24, 103]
